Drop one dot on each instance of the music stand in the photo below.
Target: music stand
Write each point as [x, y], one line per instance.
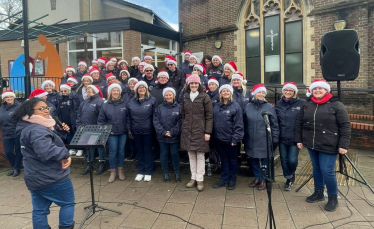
[91, 137]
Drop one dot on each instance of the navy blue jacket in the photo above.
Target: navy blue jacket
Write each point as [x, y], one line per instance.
[140, 115]
[42, 151]
[184, 66]
[157, 92]
[103, 87]
[242, 100]
[214, 96]
[8, 126]
[89, 111]
[188, 70]
[114, 113]
[74, 107]
[52, 98]
[52, 108]
[168, 117]
[180, 96]
[287, 112]
[228, 122]
[203, 80]
[224, 80]
[134, 71]
[80, 95]
[151, 83]
[79, 75]
[215, 72]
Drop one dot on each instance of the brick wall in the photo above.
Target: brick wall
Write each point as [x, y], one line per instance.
[371, 48]
[131, 45]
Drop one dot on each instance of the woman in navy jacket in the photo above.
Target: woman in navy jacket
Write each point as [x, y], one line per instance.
[255, 140]
[114, 112]
[228, 132]
[46, 164]
[11, 141]
[81, 91]
[241, 94]
[213, 90]
[287, 110]
[88, 114]
[167, 120]
[216, 69]
[140, 127]
[52, 97]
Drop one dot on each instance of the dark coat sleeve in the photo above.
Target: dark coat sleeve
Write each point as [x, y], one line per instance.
[299, 126]
[76, 103]
[156, 122]
[208, 108]
[101, 119]
[344, 125]
[79, 116]
[128, 119]
[238, 127]
[274, 126]
[176, 130]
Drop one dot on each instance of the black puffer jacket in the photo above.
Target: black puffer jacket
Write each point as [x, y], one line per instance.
[286, 113]
[325, 127]
[168, 117]
[157, 91]
[177, 79]
[74, 104]
[8, 126]
[114, 113]
[140, 119]
[134, 71]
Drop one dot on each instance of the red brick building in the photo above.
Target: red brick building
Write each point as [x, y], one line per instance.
[275, 41]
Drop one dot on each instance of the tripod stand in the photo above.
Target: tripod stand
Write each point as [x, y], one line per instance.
[342, 163]
[91, 137]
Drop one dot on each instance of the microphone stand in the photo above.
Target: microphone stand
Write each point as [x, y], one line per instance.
[267, 170]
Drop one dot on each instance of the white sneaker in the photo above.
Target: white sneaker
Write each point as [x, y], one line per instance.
[79, 153]
[139, 177]
[72, 152]
[147, 178]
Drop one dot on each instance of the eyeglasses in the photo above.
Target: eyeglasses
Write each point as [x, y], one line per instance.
[164, 78]
[288, 90]
[148, 70]
[170, 64]
[42, 109]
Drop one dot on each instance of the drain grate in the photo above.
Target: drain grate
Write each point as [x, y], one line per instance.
[307, 170]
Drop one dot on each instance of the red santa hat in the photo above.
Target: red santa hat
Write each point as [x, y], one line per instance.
[87, 76]
[124, 70]
[94, 69]
[132, 80]
[38, 93]
[113, 59]
[48, 82]
[187, 76]
[96, 89]
[107, 64]
[140, 83]
[193, 57]
[114, 85]
[213, 80]
[226, 86]
[238, 76]
[320, 83]
[308, 93]
[200, 67]
[94, 61]
[102, 60]
[187, 52]
[167, 58]
[135, 58]
[73, 79]
[82, 62]
[143, 63]
[172, 61]
[257, 88]
[291, 85]
[66, 86]
[8, 93]
[69, 68]
[218, 58]
[122, 61]
[162, 73]
[232, 66]
[168, 89]
[148, 66]
[148, 57]
[109, 76]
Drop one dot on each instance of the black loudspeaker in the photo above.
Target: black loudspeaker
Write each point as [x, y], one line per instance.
[340, 55]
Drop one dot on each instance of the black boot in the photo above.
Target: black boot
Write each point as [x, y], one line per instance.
[87, 170]
[16, 172]
[316, 196]
[232, 185]
[177, 178]
[166, 178]
[101, 168]
[332, 203]
[220, 184]
[67, 227]
[10, 173]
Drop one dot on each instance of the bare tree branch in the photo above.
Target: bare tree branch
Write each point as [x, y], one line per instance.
[7, 9]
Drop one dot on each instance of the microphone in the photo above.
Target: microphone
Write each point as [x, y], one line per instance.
[265, 115]
[58, 122]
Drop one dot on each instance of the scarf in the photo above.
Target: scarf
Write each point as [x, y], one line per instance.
[84, 93]
[37, 119]
[193, 95]
[325, 99]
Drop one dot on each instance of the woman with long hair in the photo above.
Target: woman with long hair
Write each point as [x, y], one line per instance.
[228, 70]
[69, 72]
[207, 62]
[216, 69]
[82, 89]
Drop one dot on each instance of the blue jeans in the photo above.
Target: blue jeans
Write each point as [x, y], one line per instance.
[144, 153]
[256, 167]
[164, 156]
[91, 155]
[324, 171]
[116, 150]
[229, 161]
[62, 194]
[12, 148]
[289, 159]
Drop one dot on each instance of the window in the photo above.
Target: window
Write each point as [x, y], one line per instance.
[274, 41]
[101, 44]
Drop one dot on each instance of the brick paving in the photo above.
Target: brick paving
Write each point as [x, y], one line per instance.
[243, 207]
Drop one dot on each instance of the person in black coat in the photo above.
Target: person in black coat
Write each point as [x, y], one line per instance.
[167, 121]
[123, 65]
[200, 71]
[124, 77]
[135, 66]
[255, 141]
[186, 63]
[114, 112]
[323, 127]
[98, 81]
[148, 59]
[82, 70]
[228, 70]
[74, 83]
[88, 114]
[82, 89]
[161, 83]
[140, 127]
[228, 132]
[216, 69]
[11, 141]
[69, 72]
[176, 77]
[287, 109]
[241, 94]
[67, 110]
[109, 68]
[213, 90]
[131, 94]
[191, 65]
[48, 86]
[149, 77]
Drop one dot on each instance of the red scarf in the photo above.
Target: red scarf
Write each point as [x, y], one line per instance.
[325, 99]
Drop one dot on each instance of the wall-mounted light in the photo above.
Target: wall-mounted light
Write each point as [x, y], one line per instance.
[340, 25]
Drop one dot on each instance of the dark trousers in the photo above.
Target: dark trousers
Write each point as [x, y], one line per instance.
[132, 146]
[324, 171]
[69, 136]
[256, 167]
[289, 155]
[144, 153]
[229, 160]
[12, 148]
[174, 151]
